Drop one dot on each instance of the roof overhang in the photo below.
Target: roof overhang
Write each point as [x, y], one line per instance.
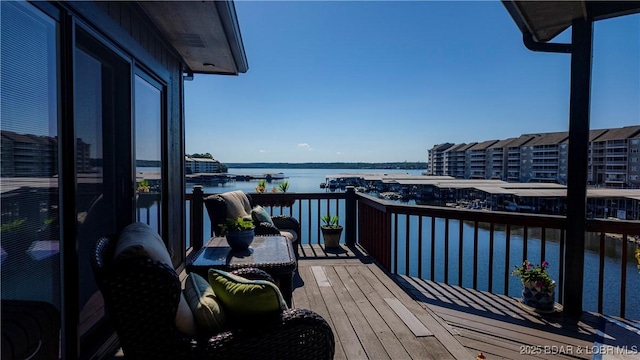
[544, 20]
[205, 33]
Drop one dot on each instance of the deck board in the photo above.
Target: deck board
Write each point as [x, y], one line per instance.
[358, 320]
[362, 287]
[413, 346]
[500, 327]
[375, 321]
[356, 296]
[317, 304]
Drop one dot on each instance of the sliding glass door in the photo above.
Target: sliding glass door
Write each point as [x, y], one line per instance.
[102, 126]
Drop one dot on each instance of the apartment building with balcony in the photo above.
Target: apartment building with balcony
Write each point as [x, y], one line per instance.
[544, 158]
[614, 158]
[496, 160]
[201, 165]
[28, 155]
[634, 160]
[512, 153]
[436, 159]
[475, 159]
[453, 165]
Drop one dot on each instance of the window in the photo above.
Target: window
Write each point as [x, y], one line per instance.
[30, 231]
[148, 150]
[103, 206]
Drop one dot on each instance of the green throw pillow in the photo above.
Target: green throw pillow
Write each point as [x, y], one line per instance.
[260, 215]
[202, 300]
[245, 301]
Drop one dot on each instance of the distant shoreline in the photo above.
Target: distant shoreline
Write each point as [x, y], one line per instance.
[333, 165]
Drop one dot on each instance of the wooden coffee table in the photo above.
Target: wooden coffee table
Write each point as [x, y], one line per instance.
[273, 254]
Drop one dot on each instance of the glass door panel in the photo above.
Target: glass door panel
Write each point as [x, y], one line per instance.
[148, 144]
[103, 171]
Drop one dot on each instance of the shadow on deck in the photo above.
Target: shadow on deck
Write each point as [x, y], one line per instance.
[376, 315]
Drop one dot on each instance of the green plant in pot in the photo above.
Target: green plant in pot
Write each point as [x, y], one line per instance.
[538, 288]
[284, 186]
[331, 231]
[262, 186]
[239, 233]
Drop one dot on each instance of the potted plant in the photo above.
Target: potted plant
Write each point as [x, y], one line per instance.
[284, 186]
[331, 231]
[239, 233]
[274, 200]
[262, 186]
[538, 289]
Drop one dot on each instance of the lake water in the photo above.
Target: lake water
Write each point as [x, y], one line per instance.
[300, 180]
[308, 180]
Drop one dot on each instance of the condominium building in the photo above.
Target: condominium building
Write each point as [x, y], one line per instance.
[436, 159]
[544, 158]
[614, 158]
[453, 159]
[496, 164]
[201, 165]
[28, 155]
[475, 160]
[512, 157]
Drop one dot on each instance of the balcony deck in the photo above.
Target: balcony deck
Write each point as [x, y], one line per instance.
[377, 315]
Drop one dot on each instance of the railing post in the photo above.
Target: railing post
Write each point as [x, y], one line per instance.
[195, 218]
[582, 41]
[350, 216]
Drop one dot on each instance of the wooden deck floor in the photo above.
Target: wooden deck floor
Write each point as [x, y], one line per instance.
[376, 315]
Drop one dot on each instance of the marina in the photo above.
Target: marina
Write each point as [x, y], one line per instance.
[492, 195]
[217, 179]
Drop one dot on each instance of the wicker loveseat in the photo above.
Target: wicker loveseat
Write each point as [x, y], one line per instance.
[220, 207]
[144, 297]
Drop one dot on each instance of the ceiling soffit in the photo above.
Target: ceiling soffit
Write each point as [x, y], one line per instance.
[205, 33]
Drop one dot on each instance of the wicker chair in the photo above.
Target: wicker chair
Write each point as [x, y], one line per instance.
[142, 297]
[282, 224]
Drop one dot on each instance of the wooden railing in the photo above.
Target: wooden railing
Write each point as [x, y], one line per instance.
[479, 249]
[307, 208]
[471, 248]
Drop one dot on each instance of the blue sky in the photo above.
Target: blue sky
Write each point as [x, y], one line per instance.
[376, 81]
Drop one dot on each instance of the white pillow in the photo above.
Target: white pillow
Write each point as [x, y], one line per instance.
[237, 204]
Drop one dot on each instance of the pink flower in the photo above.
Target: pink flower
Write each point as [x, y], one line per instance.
[529, 266]
[545, 264]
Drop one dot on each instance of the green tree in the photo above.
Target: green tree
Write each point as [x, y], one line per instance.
[201, 156]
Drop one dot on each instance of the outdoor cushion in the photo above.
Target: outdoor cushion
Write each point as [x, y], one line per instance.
[260, 215]
[139, 240]
[244, 301]
[237, 204]
[289, 234]
[202, 300]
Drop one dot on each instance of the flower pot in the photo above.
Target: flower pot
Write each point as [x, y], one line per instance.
[331, 236]
[538, 298]
[240, 240]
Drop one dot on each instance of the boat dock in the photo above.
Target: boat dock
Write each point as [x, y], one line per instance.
[216, 179]
[496, 195]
